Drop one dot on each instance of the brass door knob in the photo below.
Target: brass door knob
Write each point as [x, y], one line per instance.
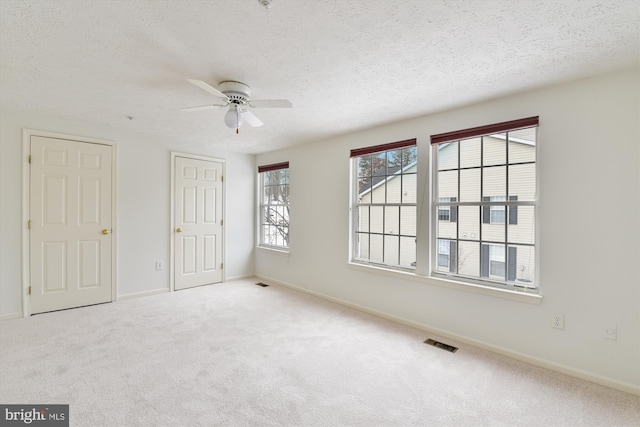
[105, 231]
[178, 230]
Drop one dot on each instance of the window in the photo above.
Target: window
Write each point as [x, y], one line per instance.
[274, 206]
[384, 204]
[487, 176]
[447, 213]
[447, 252]
[496, 261]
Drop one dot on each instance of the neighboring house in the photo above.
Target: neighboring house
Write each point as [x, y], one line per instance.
[471, 240]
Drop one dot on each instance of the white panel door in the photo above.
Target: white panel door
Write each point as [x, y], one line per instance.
[70, 230]
[198, 222]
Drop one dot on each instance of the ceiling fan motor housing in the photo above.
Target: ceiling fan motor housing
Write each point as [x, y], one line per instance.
[238, 93]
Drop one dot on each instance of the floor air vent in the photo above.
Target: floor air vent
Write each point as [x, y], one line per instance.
[264, 285]
[441, 345]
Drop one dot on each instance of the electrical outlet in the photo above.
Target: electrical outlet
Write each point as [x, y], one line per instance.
[159, 265]
[610, 332]
[557, 321]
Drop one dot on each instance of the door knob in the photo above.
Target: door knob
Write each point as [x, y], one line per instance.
[178, 230]
[105, 231]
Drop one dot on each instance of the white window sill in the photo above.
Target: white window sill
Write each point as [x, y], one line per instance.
[520, 296]
[280, 252]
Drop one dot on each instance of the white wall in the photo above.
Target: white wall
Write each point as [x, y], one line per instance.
[589, 231]
[143, 205]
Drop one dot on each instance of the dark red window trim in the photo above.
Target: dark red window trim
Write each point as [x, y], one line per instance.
[273, 167]
[484, 130]
[357, 152]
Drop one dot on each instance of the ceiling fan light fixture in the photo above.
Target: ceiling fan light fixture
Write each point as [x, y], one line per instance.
[233, 118]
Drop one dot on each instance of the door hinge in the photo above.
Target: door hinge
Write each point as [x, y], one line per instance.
[29, 290]
[29, 224]
[221, 178]
[29, 158]
[221, 266]
[222, 222]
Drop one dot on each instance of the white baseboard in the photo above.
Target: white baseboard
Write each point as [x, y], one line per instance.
[567, 370]
[142, 294]
[241, 277]
[11, 316]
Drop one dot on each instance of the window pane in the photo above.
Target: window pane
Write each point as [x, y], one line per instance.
[497, 214]
[378, 193]
[493, 232]
[448, 184]
[494, 150]
[362, 246]
[447, 155]
[407, 251]
[522, 264]
[394, 189]
[494, 181]
[391, 250]
[470, 153]
[447, 229]
[284, 176]
[469, 259]
[522, 146]
[409, 188]
[364, 190]
[376, 218]
[522, 181]
[378, 164]
[470, 185]
[364, 166]
[284, 194]
[469, 222]
[409, 155]
[363, 218]
[521, 228]
[497, 261]
[281, 236]
[376, 245]
[408, 221]
[392, 220]
[443, 257]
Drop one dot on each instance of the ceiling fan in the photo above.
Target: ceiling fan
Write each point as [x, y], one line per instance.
[236, 96]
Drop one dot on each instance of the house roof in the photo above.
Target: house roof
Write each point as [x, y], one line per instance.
[345, 65]
[382, 175]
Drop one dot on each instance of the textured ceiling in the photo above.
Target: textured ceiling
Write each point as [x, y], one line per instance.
[344, 64]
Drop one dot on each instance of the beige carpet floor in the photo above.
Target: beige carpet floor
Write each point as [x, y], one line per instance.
[236, 354]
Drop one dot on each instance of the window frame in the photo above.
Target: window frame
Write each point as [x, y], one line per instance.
[356, 204]
[427, 222]
[262, 206]
[509, 203]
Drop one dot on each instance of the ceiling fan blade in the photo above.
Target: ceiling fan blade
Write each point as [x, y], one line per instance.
[202, 85]
[203, 107]
[250, 118]
[270, 103]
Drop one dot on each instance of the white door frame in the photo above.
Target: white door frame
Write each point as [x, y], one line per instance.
[26, 185]
[174, 154]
